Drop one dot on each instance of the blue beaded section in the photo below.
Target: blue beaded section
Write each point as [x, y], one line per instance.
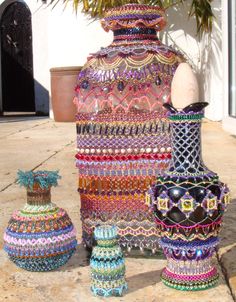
[15, 252]
[117, 291]
[39, 234]
[191, 245]
[42, 264]
[105, 232]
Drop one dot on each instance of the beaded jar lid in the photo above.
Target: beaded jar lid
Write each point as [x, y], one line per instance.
[134, 15]
[105, 232]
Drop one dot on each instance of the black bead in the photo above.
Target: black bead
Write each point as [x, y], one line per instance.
[158, 81]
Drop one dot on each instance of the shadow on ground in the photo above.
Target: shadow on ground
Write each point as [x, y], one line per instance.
[143, 280]
[79, 259]
[227, 247]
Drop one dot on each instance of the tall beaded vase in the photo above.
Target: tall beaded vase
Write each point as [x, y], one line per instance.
[41, 236]
[122, 131]
[188, 201]
[107, 263]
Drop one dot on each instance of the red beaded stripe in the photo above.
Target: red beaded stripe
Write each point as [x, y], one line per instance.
[123, 157]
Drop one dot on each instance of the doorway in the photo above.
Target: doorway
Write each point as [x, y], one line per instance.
[17, 59]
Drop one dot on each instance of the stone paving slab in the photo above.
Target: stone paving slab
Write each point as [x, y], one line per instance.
[49, 145]
[219, 153]
[13, 125]
[37, 142]
[71, 283]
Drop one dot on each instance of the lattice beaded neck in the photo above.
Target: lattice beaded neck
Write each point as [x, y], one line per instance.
[186, 141]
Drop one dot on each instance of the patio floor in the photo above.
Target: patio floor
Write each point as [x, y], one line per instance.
[40, 143]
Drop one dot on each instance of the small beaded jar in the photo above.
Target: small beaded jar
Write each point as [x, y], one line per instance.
[107, 264]
[188, 201]
[41, 236]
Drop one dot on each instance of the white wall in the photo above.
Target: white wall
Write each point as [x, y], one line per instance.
[40, 54]
[205, 56]
[229, 123]
[211, 70]
[72, 38]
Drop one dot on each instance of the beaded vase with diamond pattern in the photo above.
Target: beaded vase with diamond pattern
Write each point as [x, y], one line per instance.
[188, 201]
[41, 236]
[107, 263]
[123, 134]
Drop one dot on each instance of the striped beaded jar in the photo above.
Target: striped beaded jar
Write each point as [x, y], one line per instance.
[188, 201]
[122, 131]
[107, 263]
[41, 236]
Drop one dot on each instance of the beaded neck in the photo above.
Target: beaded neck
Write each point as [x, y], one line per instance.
[38, 185]
[38, 196]
[134, 23]
[186, 140]
[136, 34]
[132, 16]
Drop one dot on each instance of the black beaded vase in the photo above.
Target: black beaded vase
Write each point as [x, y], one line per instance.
[188, 202]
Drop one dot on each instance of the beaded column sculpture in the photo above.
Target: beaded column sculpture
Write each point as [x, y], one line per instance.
[188, 201]
[107, 263]
[123, 135]
[41, 236]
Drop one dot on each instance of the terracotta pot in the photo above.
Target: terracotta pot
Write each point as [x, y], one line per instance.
[63, 81]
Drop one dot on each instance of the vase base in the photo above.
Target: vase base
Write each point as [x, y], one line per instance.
[116, 291]
[190, 283]
[42, 264]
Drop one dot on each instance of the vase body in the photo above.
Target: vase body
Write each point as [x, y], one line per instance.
[41, 236]
[122, 132]
[107, 264]
[188, 201]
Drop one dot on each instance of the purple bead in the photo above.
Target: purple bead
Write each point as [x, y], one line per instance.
[121, 86]
[85, 84]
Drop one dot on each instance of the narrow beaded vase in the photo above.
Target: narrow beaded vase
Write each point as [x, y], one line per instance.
[41, 236]
[188, 201]
[107, 263]
[122, 131]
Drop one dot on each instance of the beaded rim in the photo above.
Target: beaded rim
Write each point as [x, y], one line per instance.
[105, 232]
[192, 287]
[134, 15]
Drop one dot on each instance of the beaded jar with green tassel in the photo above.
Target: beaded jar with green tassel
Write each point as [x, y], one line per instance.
[41, 236]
